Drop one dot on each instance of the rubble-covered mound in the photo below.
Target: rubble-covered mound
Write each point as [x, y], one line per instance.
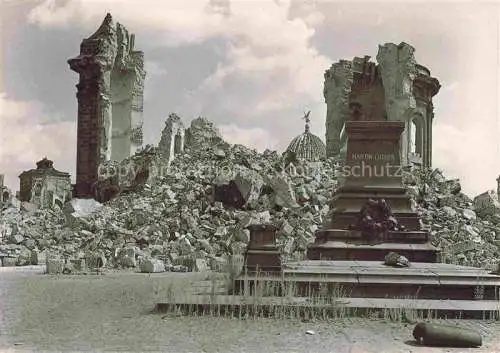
[199, 205]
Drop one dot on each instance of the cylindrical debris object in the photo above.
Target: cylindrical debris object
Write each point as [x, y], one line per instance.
[446, 335]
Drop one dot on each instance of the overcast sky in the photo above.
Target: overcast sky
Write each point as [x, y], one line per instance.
[252, 67]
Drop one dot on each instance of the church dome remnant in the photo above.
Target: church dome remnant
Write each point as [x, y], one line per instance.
[307, 146]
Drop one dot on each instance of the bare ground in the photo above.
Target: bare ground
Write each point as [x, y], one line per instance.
[112, 312]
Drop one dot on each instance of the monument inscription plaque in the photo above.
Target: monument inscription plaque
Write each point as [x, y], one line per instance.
[373, 153]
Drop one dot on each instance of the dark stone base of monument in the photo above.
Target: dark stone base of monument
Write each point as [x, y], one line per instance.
[355, 237]
[262, 261]
[341, 244]
[262, 255]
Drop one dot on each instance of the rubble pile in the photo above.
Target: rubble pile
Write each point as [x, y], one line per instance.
[179, 215]
[467, 233]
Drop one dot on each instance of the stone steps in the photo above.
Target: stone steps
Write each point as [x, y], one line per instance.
[341, 250]
[367, 279]
[408, 237]
[397, 309]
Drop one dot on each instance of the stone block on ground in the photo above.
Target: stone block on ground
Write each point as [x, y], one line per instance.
[218, 264]
[24, 258]
[9, 261]
[201, 265]
[186, 261]
[29, 207]
[38, 257]
[179, 268]
[16, 239]
[152, 266]
[78, 264]
[54, 265]
[68, 268]
[128, 262]
[77, 208]
[95, 260]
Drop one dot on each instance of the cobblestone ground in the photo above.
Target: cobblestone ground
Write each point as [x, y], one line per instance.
[111, 312]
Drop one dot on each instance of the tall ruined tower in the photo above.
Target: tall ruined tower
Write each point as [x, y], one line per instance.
[397, 89]
[110, 100]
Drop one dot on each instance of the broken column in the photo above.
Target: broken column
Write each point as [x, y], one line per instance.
[110, 105]
[337, 86]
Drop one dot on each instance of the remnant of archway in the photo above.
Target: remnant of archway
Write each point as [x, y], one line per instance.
[110, 100]
[172, 137]
[395, 89]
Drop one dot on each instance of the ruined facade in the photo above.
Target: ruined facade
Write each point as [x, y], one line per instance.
[45, 186]
[395, 89]
[110, 100]
[172, 137]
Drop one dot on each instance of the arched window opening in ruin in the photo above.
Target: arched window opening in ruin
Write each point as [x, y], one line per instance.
[413, 135]
[37, 190]
[178, 143]
[58, 203]
[121, 89]
[417, 135]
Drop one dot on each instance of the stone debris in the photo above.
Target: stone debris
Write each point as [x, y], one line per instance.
[395, 260]
[197, 207]
[54, 265]
[152, 266]
[487, 203]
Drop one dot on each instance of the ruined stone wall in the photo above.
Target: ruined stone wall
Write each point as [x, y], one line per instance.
[25, 185]
[398, 69]
[172, 137]
[110, 100]
[367, 96]
[47, 191]
[397, 89]
[337, 86]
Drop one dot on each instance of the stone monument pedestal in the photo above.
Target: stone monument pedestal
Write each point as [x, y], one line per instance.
[262, 255]
[372, 171]
[371, 216]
